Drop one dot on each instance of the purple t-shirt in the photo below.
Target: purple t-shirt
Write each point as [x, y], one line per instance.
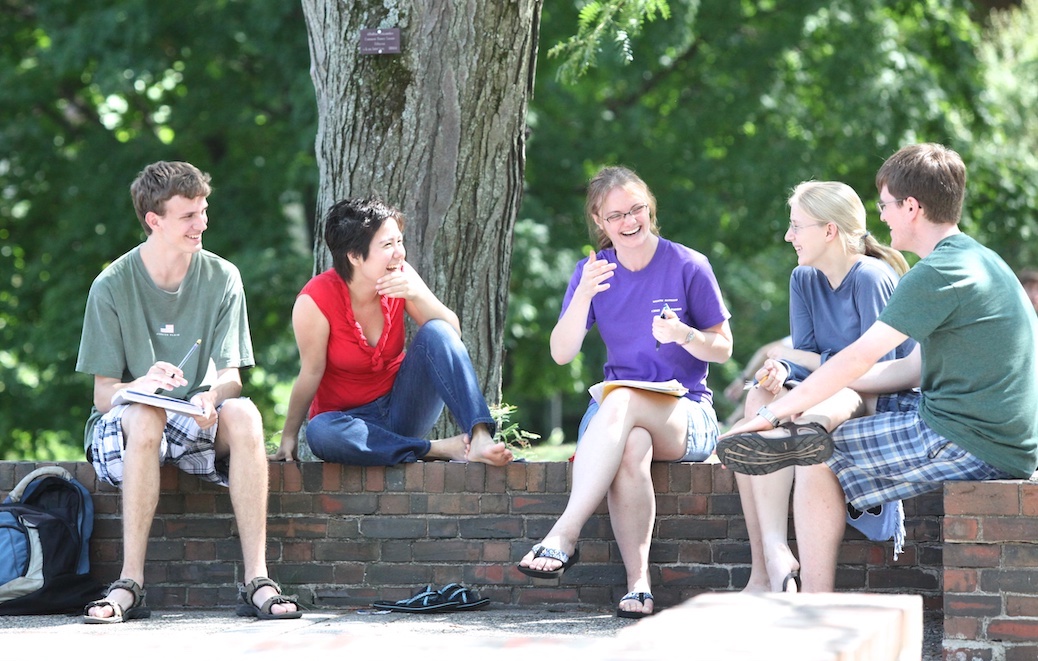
[678, 277]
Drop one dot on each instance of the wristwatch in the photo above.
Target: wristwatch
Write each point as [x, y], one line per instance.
[766, 413]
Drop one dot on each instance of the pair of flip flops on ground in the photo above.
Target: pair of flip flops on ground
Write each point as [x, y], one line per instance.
[451, 597]
[754, 454]
[139, 611]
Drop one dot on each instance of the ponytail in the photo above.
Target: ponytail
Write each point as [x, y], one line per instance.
[874, 248]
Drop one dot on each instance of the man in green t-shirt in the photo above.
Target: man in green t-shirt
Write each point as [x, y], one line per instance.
[169, 317]
[975, 416]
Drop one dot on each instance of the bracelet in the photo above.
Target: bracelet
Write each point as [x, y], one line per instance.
[766, 413]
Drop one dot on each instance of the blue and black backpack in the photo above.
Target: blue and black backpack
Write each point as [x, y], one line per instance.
[45, 527]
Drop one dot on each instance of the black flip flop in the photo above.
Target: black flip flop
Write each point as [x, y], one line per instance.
[459, 598]
[540, 551]
[426, 600]
[640, 597]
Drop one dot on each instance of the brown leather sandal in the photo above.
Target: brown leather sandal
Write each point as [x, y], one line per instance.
[136, 611]
[249, 609]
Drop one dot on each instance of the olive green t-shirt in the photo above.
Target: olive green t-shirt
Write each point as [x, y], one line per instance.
[978, 336]
[130, 323]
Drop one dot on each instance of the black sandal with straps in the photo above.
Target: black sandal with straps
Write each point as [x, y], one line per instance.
[249, 609]
[751, 453]
[136, 611]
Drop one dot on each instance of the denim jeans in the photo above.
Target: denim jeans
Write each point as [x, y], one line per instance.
[436, 371]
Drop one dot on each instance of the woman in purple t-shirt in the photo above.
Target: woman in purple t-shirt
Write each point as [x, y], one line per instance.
[660, 314]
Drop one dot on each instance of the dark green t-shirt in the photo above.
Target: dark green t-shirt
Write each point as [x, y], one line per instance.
[130, 323]
[978, 336]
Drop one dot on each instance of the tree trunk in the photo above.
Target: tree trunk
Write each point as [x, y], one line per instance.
[438, 130]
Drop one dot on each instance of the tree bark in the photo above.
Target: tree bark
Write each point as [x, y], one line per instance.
[438, 131]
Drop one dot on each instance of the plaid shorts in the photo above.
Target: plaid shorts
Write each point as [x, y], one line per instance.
[701, 433]
[894, 455]
[184, 444]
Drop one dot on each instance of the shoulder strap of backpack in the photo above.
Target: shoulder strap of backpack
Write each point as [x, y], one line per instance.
[16, 493]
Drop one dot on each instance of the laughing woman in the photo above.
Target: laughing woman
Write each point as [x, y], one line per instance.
[370, 403]
[841, 284]
[659, 312]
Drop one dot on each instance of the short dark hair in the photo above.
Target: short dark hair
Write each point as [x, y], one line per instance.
[1029, 277]
[350, 225]
[932, 174]
[159, 182]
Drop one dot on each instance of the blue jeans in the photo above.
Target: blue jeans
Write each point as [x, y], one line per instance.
[436, 371]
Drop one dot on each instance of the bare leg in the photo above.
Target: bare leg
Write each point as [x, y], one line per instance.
[758, 581]
[142, 433]
[240, 434]
[632, 511]
[599, 455]
[820, 513]
[771, 500]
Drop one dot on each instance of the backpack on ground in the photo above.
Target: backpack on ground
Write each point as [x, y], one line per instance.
[45, 527]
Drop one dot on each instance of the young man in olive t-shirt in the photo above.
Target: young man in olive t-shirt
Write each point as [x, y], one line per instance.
[170, 317]
[976, 416]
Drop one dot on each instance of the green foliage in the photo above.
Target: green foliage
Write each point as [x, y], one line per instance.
[605, 20]
[92, 93]
[509, 432]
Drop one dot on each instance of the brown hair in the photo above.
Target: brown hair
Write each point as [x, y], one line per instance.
[600, 186]
[932, 174]
[157, 183]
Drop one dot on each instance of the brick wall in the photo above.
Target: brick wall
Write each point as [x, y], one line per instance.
[345, 536]
[991, 570]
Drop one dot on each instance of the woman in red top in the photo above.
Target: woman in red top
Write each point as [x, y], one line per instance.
[369, 402]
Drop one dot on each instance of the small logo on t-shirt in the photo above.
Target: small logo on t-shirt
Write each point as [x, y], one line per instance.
[167, 330]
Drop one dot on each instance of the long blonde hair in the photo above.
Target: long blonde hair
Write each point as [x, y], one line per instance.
[836, 202]
[600, 185]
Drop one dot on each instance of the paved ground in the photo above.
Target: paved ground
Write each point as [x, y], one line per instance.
[507, 633]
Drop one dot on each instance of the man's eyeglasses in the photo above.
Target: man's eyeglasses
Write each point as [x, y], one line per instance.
[881, 205]
[636, 210]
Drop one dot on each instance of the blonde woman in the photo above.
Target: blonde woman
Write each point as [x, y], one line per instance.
[842, 282]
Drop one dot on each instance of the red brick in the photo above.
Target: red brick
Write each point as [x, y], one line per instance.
[960, 528]
[290, 477]
[1009, 529]
[963, 628]
[1021, 652]
[972, 555]
[1016, 630]
[1021, 606]
[982, 498]
[960, 580]
[414, 476]
[435, 477]
[374, 478]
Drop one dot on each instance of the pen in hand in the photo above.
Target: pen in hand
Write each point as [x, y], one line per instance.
[663, 315]
[187, 356]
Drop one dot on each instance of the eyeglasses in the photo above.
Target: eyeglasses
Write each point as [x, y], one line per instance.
[636, 210]
[881, 205]
[795, 229]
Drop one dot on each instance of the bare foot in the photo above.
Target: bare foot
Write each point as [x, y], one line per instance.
[454, 448]
[637, 600]
[122, 597]
[782, 565]
[545, 563]
[484, 450]
[756, 587]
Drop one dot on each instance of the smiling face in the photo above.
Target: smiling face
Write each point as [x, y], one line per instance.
[807, 235]
[895, 215]
[624, 217]
[386, 253]
[181, 226]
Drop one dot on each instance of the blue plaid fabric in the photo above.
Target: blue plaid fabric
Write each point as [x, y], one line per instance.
[894, 455]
